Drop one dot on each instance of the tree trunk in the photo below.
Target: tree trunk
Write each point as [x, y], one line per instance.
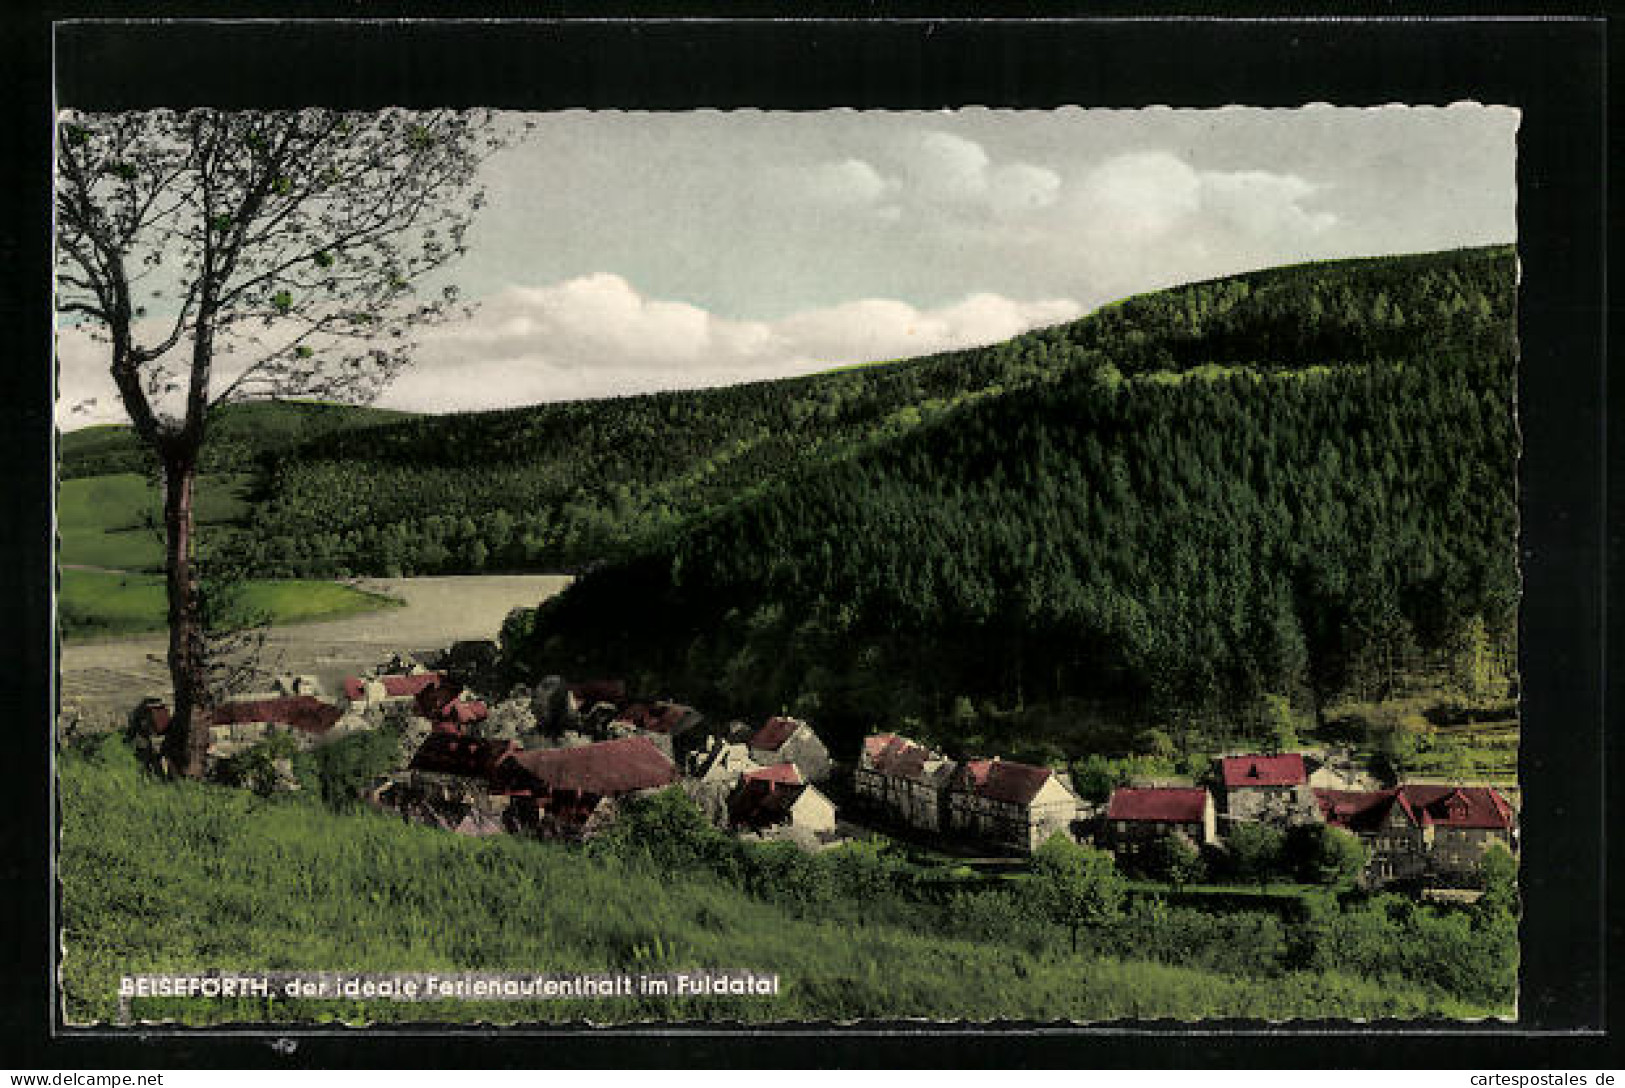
[186, 744]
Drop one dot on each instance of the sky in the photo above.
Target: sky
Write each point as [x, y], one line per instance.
[628, 252]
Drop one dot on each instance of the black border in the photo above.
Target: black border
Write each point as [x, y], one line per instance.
[1552, 69]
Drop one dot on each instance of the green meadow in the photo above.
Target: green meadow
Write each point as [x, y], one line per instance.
[112, 556]
[100, 603]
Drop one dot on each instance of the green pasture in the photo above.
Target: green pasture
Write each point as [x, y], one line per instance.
[96, 603]
[115, 521]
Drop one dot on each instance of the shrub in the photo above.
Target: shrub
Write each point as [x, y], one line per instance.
[341, 769]
[1320, 854]
[1074, 886]
[258, 767]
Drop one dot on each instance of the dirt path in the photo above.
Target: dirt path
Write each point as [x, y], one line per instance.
[112, 673]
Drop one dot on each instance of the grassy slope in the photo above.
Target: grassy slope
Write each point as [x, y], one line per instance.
[106, 508]
[192, 876]
[107, 521]
[94, 603]
[104, 521]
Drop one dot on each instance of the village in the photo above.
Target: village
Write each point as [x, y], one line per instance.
[558, 759]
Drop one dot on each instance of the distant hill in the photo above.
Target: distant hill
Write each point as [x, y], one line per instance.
[1295, 482]
[563, 486]
[239, 431]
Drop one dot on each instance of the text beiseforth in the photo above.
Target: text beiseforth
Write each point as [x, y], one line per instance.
[453, 986]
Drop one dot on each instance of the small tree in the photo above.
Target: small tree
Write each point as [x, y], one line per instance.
[1255, 851]
[1176, 859]
[1321, 854]
[1498, 870]
[247, 255]
[667, 827]
[1278, 721]
[1074, 886]
[1155, 743]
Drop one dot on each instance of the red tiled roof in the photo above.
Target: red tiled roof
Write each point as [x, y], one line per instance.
[668, 718]
[453, 753]
[306, 713]
[605, 769]
[355, 688]
[1354, 810]
[999, 780]
[771, 737]
[897, 756]
[760, 803]
[397, 686]
[1163, 805]
[1282, 770]
[1456, 806]
[782, 774]
[1446, 806]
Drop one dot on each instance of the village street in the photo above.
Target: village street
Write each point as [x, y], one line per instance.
[111, 675]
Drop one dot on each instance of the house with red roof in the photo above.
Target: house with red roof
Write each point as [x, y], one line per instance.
[451, 783]
[1006, 804]
[790, 740]
[394, 689]
[776, 800]
[240, 723]
[572, 792]
[1434, 835]
[904, 782]
[1270, 789]
[1136, 817]
[673, 727]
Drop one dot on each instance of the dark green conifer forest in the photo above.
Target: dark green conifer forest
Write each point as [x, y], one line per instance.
[1299, 482]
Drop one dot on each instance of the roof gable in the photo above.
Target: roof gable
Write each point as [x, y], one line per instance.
[895, 756]
[454, 753]
[1480, 807]
[305, 713]
[783, 774]
[1239, 772]
[1158, 804]
[771, 737]
[1001, 780]
[668, 718]
[607, 768]
[1355, 810]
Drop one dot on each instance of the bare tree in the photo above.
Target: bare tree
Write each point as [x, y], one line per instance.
[230, 256]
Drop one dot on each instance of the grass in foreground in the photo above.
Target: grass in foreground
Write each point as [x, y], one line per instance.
[102, 603]
[166, 877]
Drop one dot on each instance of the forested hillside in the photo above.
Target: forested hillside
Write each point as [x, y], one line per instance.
[561, 486]
[1295, 482]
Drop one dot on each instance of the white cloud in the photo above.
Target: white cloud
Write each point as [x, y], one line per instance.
[848, 183]
[1262, 204]
[1142, 194]
[597, 336]
[1150, 194]
[1021, 187]
[951, 171]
